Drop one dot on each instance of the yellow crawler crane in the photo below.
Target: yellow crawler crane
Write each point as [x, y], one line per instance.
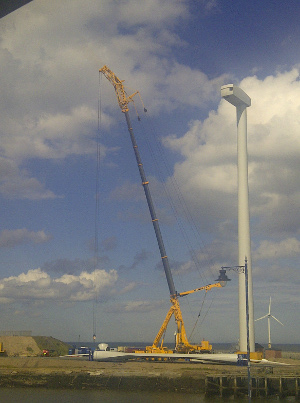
[182, 343]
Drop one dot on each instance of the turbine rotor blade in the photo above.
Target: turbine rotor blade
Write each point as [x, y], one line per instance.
[277, 320]
[261, 318]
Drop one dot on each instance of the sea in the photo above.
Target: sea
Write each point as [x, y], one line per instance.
[217, 347]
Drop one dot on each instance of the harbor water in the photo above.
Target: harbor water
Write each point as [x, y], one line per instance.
[38, 395]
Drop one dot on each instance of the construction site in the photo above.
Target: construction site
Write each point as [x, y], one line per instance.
[281, 379]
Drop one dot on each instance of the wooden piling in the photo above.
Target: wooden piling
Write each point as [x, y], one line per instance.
[267, 386]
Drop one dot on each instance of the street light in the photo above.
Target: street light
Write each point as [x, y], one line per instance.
[222, 279]
[238, 98]
[244, 270]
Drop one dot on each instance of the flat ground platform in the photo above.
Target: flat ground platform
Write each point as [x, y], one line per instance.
[49, 365]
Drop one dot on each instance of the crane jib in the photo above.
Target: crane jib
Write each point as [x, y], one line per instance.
[154, 219]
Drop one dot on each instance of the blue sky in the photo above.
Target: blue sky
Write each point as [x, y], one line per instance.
[178, 54]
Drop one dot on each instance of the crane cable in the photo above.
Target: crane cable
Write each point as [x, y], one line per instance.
[186, 213]
[97, 206]
[197, 317]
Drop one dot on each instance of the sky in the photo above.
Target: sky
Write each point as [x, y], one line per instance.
[77, 246]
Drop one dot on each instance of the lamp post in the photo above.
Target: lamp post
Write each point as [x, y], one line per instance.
[242, 270]
[237, 97]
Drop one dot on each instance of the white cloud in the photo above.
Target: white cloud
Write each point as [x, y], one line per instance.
[275, 250]
[38, 285]
[211, 6]
[12, 238]
[49, 89]
[275, 276]
[125, 191]
[16, 182]
[136, 306]
[132, 13]
[208, 173]
[184, 86]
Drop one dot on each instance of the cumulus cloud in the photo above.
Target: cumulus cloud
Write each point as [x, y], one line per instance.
[207, 175]
[17, 183]
[38, 285]
[68, 266]
[133, 14]
[109, 243]
[138, 261]
[284, 277]
[126, 190]
[189, 83]
[12, 238]
[210, 6]
[286, 248]
[181, 267]
[136, 306]
[49, 94]
[128, 288]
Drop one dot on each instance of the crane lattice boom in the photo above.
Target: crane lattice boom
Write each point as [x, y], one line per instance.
[182, 343]
[123, 98]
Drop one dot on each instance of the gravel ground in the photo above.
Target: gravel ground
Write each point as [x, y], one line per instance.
[48, 365]
[59, 373]
[24, 356]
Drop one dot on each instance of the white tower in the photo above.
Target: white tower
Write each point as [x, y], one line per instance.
[237, 97]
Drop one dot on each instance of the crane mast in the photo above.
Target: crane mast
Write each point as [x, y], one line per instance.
[182, 344]
[123, 100]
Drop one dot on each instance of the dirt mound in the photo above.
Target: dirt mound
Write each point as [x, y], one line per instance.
[54, 346]
[16, 346]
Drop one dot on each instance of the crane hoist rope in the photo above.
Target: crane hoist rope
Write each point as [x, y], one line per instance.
[97, 207]
[182, 343]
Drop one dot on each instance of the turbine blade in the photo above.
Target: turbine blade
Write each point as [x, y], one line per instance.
[270, 307]
[261, 318]
[277, 320]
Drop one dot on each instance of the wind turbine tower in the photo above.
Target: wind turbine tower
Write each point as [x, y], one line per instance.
[269, 316]
[238, 98]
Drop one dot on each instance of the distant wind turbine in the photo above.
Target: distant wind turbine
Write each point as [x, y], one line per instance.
[269, 316]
